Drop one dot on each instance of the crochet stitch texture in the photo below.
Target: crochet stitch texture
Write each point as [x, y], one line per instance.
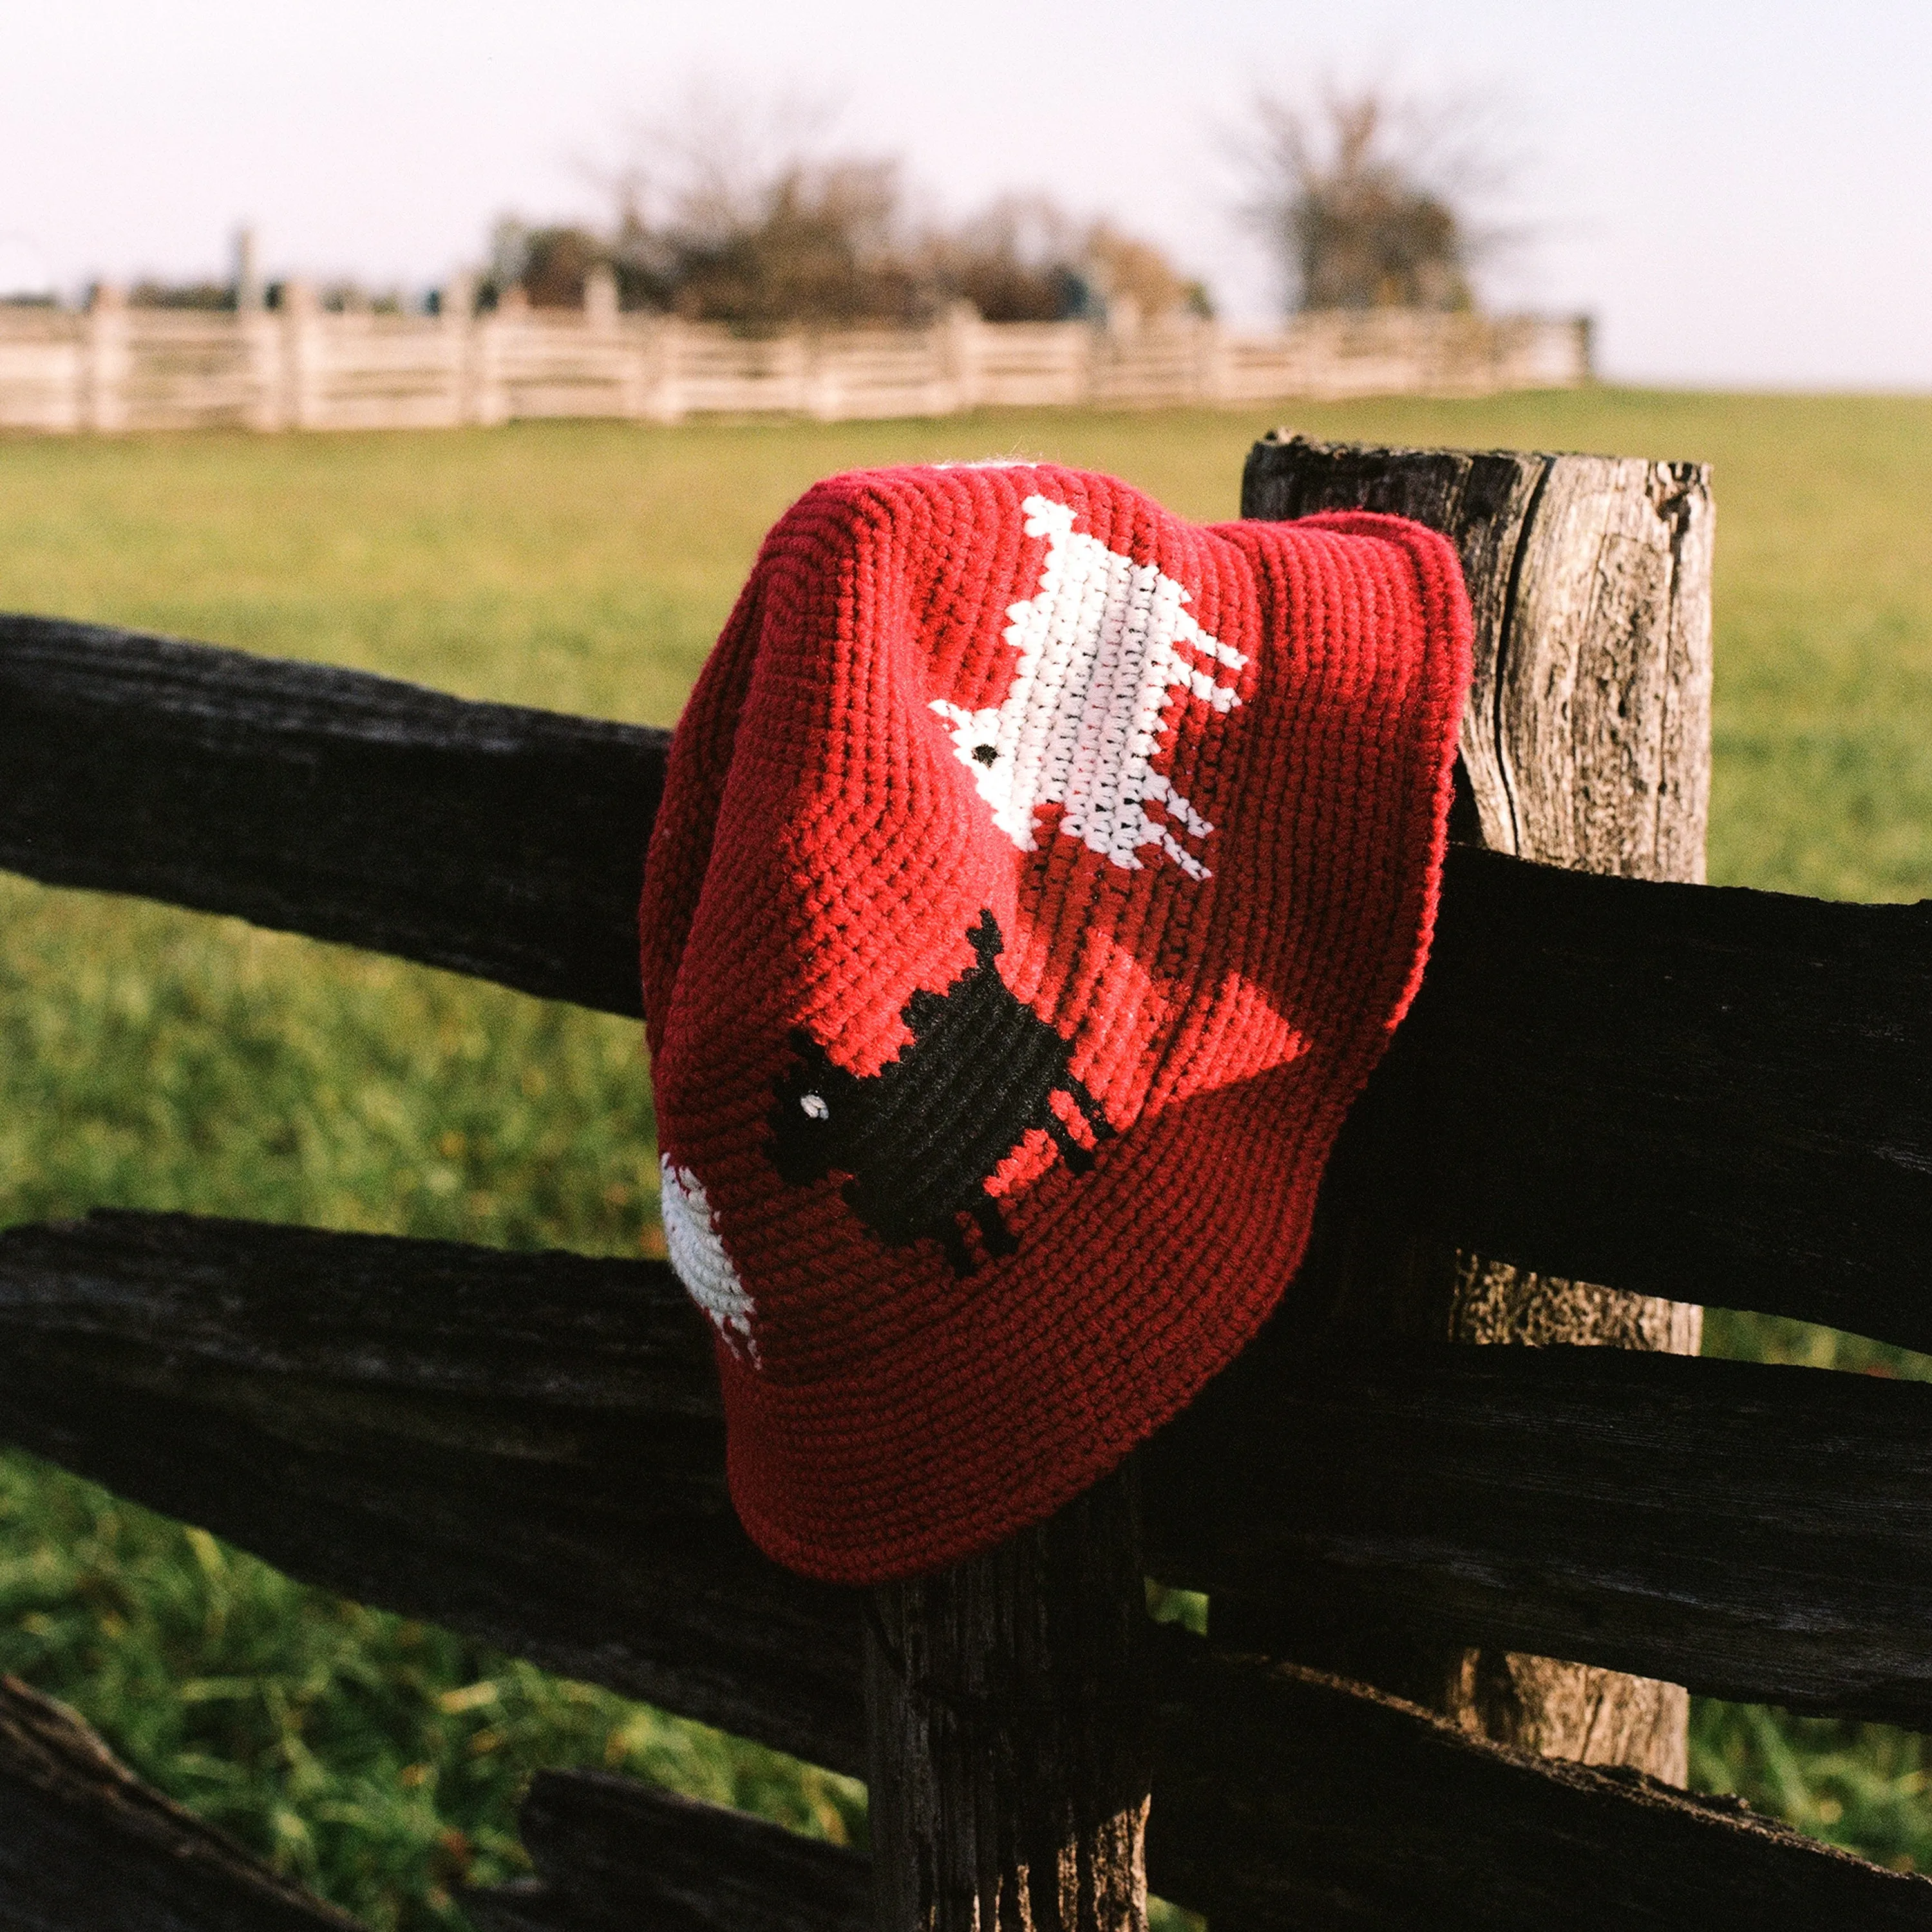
[1038, 879]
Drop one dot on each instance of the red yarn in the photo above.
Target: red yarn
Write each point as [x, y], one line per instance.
[1038, 879]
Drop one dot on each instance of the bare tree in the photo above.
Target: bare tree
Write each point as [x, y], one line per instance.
[1368, 199]
[550, 264]
[730, 214]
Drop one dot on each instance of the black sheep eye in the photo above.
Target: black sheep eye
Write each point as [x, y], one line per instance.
[986, 754]
[813, 1106]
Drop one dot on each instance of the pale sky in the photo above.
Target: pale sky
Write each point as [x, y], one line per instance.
[1741, 194]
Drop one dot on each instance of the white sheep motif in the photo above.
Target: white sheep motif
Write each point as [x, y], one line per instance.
[698, 1259]
[1100, 647]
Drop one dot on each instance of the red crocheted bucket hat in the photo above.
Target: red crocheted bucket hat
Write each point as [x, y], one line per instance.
[1038, 879]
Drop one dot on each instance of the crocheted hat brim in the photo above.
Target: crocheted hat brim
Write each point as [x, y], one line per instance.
[997, 1415]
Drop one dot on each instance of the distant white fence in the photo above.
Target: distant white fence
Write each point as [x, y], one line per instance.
[115, 368]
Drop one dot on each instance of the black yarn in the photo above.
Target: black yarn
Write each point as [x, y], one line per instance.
[920, 1138]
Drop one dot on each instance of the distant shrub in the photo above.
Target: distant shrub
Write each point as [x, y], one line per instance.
[550, 264]
[815, 243]
[829, 243]
[181, 295]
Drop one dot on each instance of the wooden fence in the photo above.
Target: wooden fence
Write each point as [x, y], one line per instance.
[1699, 1096]
[120, 368]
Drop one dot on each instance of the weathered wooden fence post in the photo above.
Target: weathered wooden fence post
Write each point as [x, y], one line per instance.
[961, 346]
[456, 316]
[494, 340]
[106, 360]
[1585, 744]
[824, 380]
[1009, 1766]
[303, 349]
[1005, 1703]
[262, 340]
[600, 298]
[663, 389]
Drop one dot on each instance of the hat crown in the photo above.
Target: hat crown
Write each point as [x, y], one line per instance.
[1038, 877]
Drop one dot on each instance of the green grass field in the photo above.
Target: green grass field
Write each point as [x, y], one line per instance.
[150, 1058]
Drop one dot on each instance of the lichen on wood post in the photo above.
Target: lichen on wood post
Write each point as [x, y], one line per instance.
[1585, 744]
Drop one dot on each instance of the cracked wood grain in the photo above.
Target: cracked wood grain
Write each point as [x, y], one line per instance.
[1289, 1800]
[1006, 1706]
[1585, 744]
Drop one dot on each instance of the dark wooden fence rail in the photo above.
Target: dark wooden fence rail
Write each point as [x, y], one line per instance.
[84, 1847]
[1718, 1096]
[492, 840]
[527, 1447]
[675, 1866]
[1715, 1095]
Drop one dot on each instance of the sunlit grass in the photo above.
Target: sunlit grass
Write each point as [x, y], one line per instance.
[152, 1058]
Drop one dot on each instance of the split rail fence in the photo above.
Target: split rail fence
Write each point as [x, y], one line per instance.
[115, 368]
[1613, 1075]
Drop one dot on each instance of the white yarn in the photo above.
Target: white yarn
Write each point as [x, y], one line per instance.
[1100, 646]
[698, 1259]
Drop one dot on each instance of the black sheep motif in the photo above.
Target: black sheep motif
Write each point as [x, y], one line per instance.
[920, 1138]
